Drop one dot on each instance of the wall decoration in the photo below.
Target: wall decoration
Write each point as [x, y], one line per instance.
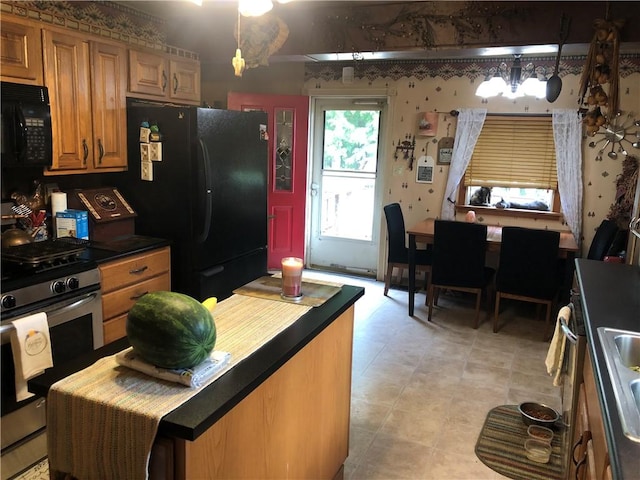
[613, 133]
[427, 124]
[406, 148]
[445, 148]
[622, 208]
[424, 171]
[475, 68]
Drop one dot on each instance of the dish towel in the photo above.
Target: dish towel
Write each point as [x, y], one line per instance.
[191, 377]
[555, 355]
[31, 349]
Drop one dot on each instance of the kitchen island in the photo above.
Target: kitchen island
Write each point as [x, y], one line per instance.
[611, 298]
[283, 411]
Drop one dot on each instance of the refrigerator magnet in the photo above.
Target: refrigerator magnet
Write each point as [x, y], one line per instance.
[144, 134]
[155, 151]
[146, 171]
[145, 152]
[263, 132]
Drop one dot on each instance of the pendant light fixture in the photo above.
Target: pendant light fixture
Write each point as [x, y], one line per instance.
[509, 83]
[237, 61]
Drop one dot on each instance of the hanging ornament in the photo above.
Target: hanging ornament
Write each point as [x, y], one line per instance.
[237, 61]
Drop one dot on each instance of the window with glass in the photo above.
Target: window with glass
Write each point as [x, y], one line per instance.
[349, 166]
[513, 165]
[284, 144]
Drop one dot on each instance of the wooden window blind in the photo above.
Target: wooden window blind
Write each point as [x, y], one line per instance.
[514, 151]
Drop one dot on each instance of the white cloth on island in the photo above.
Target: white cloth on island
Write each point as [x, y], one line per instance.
[103, 420]
[31, 350]
[191, 377]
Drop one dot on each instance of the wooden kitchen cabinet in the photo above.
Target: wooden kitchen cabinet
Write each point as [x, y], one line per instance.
[126, 280]
[87, 89]
[590, 452]
[20, 52]
[161, 77]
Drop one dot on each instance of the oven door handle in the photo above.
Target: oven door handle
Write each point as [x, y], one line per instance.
[58, 310]
[572, 337]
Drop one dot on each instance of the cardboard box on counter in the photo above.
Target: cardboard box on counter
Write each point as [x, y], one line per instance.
[72, 223]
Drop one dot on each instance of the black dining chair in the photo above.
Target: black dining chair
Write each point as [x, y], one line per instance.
[527, 270]
[459, 251]
[398, 254]
[602, 240]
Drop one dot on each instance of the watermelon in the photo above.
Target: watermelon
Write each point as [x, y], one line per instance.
[171, 330]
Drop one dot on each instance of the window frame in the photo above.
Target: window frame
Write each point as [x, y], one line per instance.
[462, 206]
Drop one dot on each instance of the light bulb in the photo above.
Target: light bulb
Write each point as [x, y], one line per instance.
[254, 8]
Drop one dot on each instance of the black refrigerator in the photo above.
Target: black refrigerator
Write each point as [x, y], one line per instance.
[207, 194]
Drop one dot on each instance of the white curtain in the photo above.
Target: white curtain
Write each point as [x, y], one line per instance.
[470, 122]
[567, 134]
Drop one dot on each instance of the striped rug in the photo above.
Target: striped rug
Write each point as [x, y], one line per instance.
[500, 447]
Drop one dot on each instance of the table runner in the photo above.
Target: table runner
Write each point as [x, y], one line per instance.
[315, 293]
[102, 421]
[500, 447]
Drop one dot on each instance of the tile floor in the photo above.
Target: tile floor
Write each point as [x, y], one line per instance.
[421, 391]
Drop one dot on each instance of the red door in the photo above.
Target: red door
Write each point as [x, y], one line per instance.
[288, 125]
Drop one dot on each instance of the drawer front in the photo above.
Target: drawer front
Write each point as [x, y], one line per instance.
[120, 301]
[134, 269]
[115, 328]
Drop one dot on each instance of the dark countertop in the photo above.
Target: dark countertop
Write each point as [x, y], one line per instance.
[119, 247]
[196, 415]
[611, 298]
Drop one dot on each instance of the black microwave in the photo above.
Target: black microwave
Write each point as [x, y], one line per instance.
[26, 126]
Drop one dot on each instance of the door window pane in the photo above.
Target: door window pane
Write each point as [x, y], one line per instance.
[283, 149]
[351, 140]
[347, 205]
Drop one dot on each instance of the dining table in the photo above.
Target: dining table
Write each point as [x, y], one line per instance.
[423, 232]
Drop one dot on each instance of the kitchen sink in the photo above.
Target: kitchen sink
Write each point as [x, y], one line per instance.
[622, 352]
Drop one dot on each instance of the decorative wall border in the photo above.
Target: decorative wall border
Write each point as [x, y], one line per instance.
[448, 68]
[102, 18]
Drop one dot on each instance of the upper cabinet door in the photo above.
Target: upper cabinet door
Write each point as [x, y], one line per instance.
[148, 73]
[109, 105]
[159, 77]
[67, 75]
[20, 53]
[185, 80]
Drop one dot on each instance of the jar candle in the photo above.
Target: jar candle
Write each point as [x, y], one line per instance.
[292, 277]
[470, 216]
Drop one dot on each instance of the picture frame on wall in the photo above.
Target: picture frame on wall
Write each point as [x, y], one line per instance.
[445, 150]
[427, 124]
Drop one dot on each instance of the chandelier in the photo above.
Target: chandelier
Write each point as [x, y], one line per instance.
[514, 82]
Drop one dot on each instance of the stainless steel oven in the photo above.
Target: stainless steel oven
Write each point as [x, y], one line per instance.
[573, 360]
[67, 289]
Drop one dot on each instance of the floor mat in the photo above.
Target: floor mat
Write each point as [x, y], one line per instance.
[500, 447]
[315, 293]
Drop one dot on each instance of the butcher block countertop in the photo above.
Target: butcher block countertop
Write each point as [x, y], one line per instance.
[195, 416]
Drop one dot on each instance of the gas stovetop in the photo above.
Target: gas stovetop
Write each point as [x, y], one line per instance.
[43, 254]
[43, 271]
